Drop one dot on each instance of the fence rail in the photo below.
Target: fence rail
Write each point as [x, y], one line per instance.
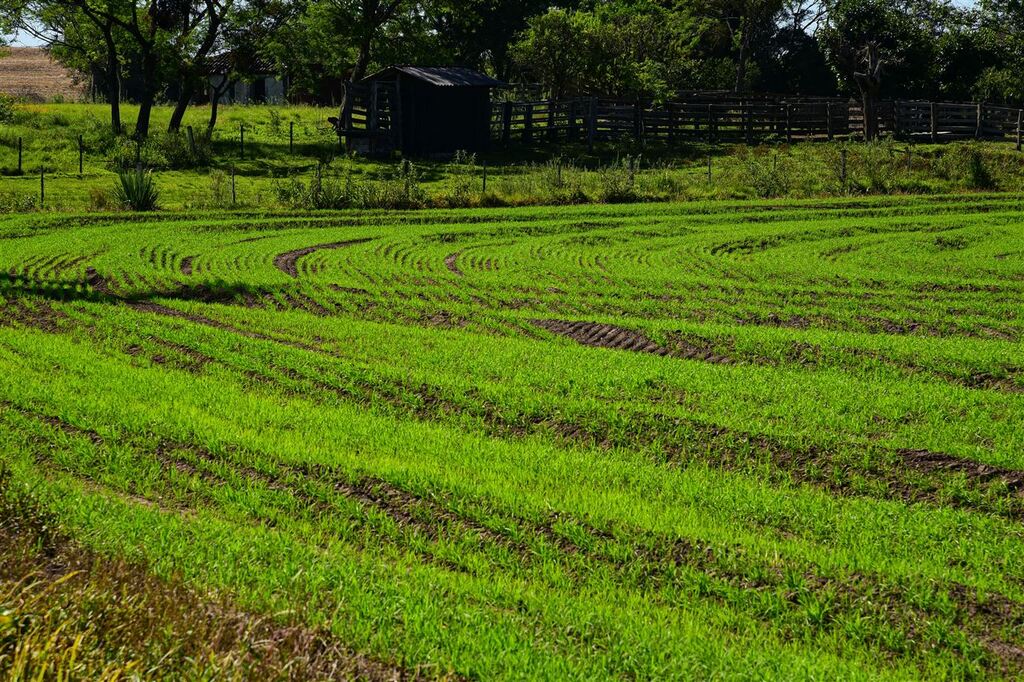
[593, 119]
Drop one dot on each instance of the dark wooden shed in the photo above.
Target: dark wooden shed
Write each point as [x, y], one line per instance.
[421, 110]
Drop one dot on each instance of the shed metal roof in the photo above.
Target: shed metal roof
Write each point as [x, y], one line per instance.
[441, 76]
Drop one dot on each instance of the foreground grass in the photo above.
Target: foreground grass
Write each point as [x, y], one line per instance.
[684, 440]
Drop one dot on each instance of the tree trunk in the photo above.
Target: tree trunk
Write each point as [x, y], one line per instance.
[742, 57]
[870, 119]
[215, 94]
[113, 83]
[148, 95]
[363, 61]
[186, 91]
[870, 83]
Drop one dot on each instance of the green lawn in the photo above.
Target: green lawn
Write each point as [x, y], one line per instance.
[681, 440]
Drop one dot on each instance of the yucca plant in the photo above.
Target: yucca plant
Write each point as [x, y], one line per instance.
[136, 190]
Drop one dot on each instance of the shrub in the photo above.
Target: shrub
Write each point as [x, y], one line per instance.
[768, 177]
[136, 191]
[460, 189]
[17, 203]
[964, 163]
[99, 199]
[6, 108]
[617, 182]
[170, 151]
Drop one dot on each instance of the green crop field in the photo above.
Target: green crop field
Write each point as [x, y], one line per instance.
[720, 440]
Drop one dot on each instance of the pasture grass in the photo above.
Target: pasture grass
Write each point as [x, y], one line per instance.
[315, 173]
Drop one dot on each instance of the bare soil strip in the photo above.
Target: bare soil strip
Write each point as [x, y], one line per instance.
[939, 462]
[451, 262]
[602, 336]
[288, 262]
[186, 265]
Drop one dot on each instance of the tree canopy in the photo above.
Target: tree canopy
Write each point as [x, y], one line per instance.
[651, 49]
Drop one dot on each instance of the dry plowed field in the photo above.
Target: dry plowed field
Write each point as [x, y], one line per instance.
[729, 440]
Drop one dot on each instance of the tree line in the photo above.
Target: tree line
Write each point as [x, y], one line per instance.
[651, 49]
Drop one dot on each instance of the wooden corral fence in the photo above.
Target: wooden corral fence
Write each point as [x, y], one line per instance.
[719, 120]
[370, 117]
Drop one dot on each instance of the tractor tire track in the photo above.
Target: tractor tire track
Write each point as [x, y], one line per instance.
[287, 262]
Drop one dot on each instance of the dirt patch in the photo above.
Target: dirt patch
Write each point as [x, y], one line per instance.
[186, 265]
[939, 462]
[40, 314]
[288, 262]
[98, 282]
[600, 335]
[451, 262]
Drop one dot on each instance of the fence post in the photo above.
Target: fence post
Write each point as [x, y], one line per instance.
[977, 125]
[1020, 120]
[895, 119]
[789, 124]
[241, 140]
[709, 167]
[191, 139]
[346, 116]
[81, 156]
[551, 119]
[934, 111]
[591, 123]
[19, 153]
[828, 121]
[745, 122]
[671, 122]
[528, 123]
[506, 122]
[638, 121]
[574, 130]
[291, 137]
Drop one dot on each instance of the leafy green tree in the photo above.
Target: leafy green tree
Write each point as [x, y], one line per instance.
[616, 51]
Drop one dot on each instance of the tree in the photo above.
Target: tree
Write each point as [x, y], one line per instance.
[139, 31]
[480, 33]
[203, 25]
[625, 52]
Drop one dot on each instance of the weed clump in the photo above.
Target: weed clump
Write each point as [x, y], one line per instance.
[136, 190]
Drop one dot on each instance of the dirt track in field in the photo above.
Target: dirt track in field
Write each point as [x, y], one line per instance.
[288, 262]
[602, 336]
[451, 262]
